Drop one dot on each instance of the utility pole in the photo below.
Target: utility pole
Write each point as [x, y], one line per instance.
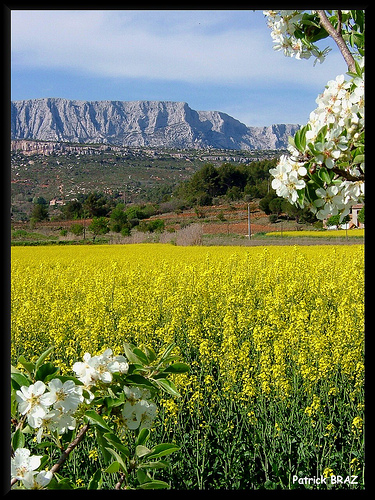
[248, 220]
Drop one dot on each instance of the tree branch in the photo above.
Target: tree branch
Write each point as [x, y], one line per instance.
[340, 42]
[121, 480]
[346, 175]
[70, 448]
[65, 453]
[339, 25]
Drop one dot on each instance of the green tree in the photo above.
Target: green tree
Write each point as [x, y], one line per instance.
[361, 215]
[265, 202]
[230, 176]
[276, 206]
[76, 229]
[118, 218]
[234, 193]
[39, 212]
[96, 205]
[99, 225]
[73, 210]
[334, 220]
[39, 200]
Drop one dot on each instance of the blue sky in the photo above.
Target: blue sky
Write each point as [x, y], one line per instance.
[219, 60]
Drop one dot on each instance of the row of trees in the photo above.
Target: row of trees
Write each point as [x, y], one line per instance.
[232, 182]
[104, 214]
[209, 185]
[212, 185]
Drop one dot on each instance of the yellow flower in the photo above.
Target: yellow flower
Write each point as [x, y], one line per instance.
[278, 429]
[355, 465]
[330, 428]
[252, 322]
[328, 472]
[93, 454]
[357, 425]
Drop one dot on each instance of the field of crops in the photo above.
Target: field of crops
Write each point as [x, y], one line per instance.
[332, 233]
[274, 337]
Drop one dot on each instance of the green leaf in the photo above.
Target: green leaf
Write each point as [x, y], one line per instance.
[44, 461]
[143, 477]
[135, 368]
[64, 484]
[96, 419]
[140, 355]
[60, 483]
[300, 138]
[113, 402]
[26, 364]
[43, 356]
[166, 353]
[315, 179]
[160, 464]
[150, 353]
[168, 386]
[18, 440]
[95, 481]
[325, 175]
[141, 450]
[309, 20]
[45, 444]
[45, 370]
[143, 436]
[118, 459]
[139, 381]
[113, 468]
[163, 449]
[291, 141]
[301, 197]
[115, 441]
[102, 442]
[154, 485]
[177, 368]
[297, 140]
[133, 358]
[18, 380]
[13, 369]
[359, 158]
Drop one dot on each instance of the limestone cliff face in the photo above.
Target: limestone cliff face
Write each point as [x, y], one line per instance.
[139, 123]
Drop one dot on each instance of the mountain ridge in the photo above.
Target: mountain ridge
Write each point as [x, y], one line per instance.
[140, 123]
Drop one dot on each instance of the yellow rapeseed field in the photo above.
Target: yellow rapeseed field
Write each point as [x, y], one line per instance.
[332, 233]
[274, 336]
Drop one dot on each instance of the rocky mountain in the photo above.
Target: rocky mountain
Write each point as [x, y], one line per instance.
[139, 123]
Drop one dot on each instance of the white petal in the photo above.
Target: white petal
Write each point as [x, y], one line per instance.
[39, 388]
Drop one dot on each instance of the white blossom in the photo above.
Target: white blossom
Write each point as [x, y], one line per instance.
[99, 368]
[67, 396]
[34, 402]
[137, 411]
[37, 481]
[22, 463]
[333, 128]
[283, 25]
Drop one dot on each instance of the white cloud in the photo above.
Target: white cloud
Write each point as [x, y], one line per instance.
[228, 47]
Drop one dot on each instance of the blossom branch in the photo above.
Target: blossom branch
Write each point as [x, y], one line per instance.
[70, 448]
[340, 42]
[339, 25]
[121, 480]
[65, 453]
[346, 175]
